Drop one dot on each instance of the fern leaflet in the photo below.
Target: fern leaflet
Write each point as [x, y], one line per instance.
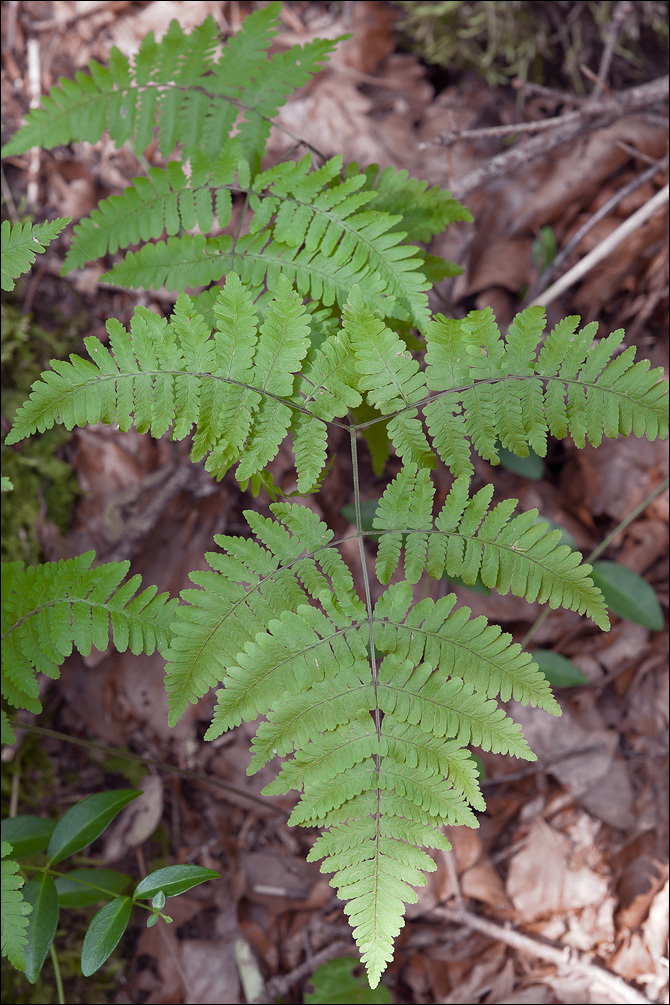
[48, 609]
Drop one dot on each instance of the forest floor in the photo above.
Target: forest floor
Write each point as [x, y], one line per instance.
[561, 896]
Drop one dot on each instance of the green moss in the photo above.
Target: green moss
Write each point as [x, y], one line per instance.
[44, 485]
[542, 42]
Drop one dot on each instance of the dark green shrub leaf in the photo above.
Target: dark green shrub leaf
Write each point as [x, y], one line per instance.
[41, 894]
[528, 467]
[104, 933]
[27, 835]
[559, 671]
[83, 887]
[368, 511]
[86, 821]
[173, 880]
[335, 982]
[476, 587]
[628, 595]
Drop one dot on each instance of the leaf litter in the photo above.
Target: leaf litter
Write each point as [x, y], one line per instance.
[572, 850]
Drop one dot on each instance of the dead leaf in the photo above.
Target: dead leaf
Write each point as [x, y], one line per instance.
[137, 822]
[542, 881]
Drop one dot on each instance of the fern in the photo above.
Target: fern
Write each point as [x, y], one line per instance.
[48, 609]
[14, 911]
[22, 242]
[242, 386]
[372, 706]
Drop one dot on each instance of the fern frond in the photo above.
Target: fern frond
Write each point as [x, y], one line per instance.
[379, 757]
[174, 376]
[22, 242]
[389, 374]
[424, 211]
[179, 82]
[305, 224]
[471, 650]
[48, 609]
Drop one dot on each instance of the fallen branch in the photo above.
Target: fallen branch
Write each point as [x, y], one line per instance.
[567, 959]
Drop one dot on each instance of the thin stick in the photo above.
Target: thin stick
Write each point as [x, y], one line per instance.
[596, 114]
[604, 211]
[279, 986]
[161, 765]
[565, 958]
[604, 249]
[35, 89]
[614, 30]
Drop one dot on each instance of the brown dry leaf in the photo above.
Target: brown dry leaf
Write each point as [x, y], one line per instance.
[283, 882]
[478, 979]
[534, 994]
[373, 37]
[643, 543]
[129, 30]
[482, 882]
[137, 822]
[614, 478]
[591, 749]
[543, 881]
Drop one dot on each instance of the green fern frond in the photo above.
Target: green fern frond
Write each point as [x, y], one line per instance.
[22, 242]
[48, 609]
[279, 624]
[424, 211]
[305, 224]
[179, 82]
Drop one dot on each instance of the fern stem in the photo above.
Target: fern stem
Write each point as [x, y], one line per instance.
[599, 549]
[121, 752]
[57, 975]
[366, 582]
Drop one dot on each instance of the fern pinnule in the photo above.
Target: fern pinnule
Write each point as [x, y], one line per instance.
[22, 242]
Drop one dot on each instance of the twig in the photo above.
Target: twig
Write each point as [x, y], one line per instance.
[565, 958]
[604, 211]
[605, 248]
[595, 115]
[35, 90]
[536, 126]
[217, 783]
[621, 11]
[279, 986]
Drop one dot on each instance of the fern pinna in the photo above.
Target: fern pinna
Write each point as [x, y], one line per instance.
[374, 703]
